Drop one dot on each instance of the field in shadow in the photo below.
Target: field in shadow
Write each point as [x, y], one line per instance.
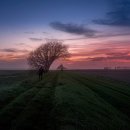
[63, 101]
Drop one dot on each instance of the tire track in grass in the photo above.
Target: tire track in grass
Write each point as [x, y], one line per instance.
[120, 86]
[116, 99]
[117, 81]
[119, 100]
[9, 94]
[12, 110]
[122, 115]
[36, 115]
[111, 84]
[7, 80]
[8, 113]
[78, 107]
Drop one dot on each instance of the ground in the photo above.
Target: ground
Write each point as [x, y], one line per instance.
[69, 100]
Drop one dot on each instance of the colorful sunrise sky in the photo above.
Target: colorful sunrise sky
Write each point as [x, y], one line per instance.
[96, 31]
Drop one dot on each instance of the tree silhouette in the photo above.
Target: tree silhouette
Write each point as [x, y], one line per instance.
[46, 54]
[61, 67]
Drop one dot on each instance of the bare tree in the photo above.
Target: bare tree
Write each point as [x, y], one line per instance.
[61, 67]
[47, 53]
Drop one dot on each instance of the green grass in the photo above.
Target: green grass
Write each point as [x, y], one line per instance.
[64, 101]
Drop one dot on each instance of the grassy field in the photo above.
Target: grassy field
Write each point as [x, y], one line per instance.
[63, 101]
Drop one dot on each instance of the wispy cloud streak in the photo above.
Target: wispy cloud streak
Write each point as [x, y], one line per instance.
[36, 39]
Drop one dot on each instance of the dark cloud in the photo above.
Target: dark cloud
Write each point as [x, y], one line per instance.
[18, 64]
[35, 39]
[105, 35]
[100, 51]
[29, 32]
[45, 32]
[110, 52]
[96, 59]
[24, 45]
[8, 50]
[112, 56]
[117, 54]
[12, 50]
[20, 44]
[112, 35]
[109, 58]
[73, 29]
[119, 16]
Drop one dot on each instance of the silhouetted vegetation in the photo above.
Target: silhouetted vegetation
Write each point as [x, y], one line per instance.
[61, 67]
[46, 54]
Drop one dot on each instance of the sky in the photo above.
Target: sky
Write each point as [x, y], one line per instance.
[96, 31]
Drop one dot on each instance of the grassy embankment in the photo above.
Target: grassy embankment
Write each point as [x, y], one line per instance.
[64, 101]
